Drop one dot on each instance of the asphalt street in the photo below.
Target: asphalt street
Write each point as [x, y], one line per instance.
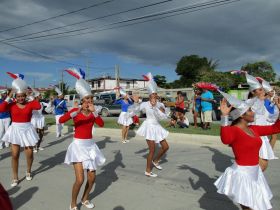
[190, 167]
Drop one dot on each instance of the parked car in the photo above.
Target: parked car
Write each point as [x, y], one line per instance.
[70, 99]
[106, 100]
[168, 102]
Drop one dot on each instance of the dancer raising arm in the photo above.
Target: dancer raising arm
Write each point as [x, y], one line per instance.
[83, 153]
[21, 133]
[153, 132]
[244, 181]
[261, 117]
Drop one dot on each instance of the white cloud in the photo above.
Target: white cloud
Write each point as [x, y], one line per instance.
[234, 34]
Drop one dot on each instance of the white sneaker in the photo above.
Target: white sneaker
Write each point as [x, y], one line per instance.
[124, 141]
[41, 148]
[88, 204]
[127, 141]
[14, 183]
[28, 176]
[157, 165]
[74, 208]
[35, 150]
[7, 144]
[151, 174]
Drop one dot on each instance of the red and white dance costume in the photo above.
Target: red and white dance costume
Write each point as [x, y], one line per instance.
[21, 131]
[83, 148]
[244, 181]
[38, 119]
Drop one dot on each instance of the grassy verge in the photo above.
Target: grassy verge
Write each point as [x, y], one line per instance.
[112, 123]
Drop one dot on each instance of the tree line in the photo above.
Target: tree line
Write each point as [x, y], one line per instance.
[193, 68]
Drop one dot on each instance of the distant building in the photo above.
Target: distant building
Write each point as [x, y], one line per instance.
[109, 83]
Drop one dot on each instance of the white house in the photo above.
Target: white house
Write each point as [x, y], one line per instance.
[109, 83]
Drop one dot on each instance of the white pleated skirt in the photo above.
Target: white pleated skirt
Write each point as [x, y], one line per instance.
[23, 134]
[125, 119]
[84, 151]
[245, 185]
[38, 122]
[266, 151]
[152, 130]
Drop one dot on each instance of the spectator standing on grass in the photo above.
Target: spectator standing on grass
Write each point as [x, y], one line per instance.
[196, 110]
[207, 99]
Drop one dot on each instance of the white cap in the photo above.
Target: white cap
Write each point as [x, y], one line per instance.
[253, 82]
[58, 91]
[152, 85]
[19, 85]
[240, 106]
[35, 92]
[82, 87]
[266, 86]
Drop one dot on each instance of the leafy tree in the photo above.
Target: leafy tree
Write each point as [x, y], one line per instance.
[160, 80]
[261, 69]
[191, 67]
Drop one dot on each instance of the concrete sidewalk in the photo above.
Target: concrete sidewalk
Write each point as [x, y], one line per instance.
[191, 166]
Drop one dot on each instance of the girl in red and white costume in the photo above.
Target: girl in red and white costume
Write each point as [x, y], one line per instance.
[244, 181]
[21, 133]
[83, 153]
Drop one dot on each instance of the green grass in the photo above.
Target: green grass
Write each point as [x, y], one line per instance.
[112, 123]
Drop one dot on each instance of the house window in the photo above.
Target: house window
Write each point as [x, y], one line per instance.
[99, 84]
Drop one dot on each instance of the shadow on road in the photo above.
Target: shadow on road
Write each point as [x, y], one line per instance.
[23, 197]
[118, 208]
[221, 160]
[108, 175]
[146, 151]
[207, 184]
[102, 144]
[50, 163]
[60, 140]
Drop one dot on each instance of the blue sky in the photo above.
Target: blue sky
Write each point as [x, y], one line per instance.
[45, 72]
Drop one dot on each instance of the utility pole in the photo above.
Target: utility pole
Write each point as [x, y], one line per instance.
[88, 67]
[117, 75]
[62, 81]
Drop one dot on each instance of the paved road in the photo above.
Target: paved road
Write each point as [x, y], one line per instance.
[186, 183]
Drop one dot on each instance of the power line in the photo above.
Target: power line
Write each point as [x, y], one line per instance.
[90, 20]
[43, 56]
[57, 16]
[68, 63]
[176, 10]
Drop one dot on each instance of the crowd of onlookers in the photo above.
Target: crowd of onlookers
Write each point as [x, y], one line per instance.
[201, 106]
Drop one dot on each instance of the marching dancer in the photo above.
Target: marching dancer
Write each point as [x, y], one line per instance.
[124, 119]
[38, 121]
[21, 133]
[59, 109]
[269, 103]
[244, 182]
[83, 153]
[153, 132]
[262, 117]
[5, 120]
